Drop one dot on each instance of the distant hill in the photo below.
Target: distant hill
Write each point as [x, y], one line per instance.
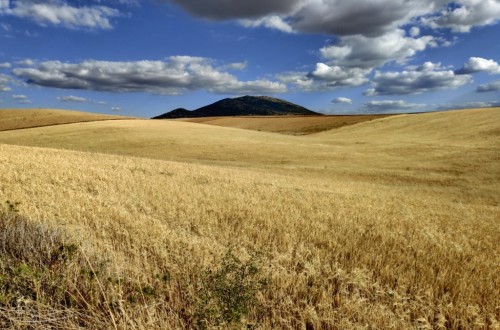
[242, 106]
[180, 113]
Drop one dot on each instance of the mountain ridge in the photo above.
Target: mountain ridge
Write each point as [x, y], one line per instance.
[242, 106]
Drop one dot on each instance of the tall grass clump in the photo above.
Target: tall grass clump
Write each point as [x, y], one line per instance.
[35, 260]
[49, 282]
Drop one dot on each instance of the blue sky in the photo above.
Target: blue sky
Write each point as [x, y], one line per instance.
[148, 57]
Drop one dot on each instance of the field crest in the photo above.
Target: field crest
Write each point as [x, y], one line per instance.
[471, 126]
[12, 119]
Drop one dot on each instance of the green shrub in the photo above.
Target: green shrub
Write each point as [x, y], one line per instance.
[228, 294]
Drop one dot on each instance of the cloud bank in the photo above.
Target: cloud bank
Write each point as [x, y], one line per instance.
[338, 17]
[60, 13]
[490, 87]
[175, 75]
[388, 106]
[71, 98]
[428, 77]
[346, 17]
[465, 16]
[365, 52]
[369, 34]
[469, 105]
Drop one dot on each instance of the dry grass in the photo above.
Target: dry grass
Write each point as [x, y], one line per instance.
[12, 119]
[386, 224]
[294, 125]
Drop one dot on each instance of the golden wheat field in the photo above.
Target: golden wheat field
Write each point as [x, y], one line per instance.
[294, 125]
[392, 223]
[12, 119]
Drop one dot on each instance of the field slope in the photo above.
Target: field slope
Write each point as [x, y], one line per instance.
[294, 125]
[389, 224]
[12, 119]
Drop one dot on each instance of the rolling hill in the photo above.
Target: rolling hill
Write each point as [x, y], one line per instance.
[413, 140]
[12, 119]
[242, 106]
[293, 125]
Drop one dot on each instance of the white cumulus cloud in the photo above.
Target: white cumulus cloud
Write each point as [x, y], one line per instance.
[325, 77]
[351, 60]
[414, 31]
[388, 106]
[175, 75]
[300, 80]
[369, 33]
[489, 87]
[337, 76]
[465, 15]
[4, 81]
[366, 52]
[342, 100]
[271, 22]
[26, 62]
[60, 13]
[425, 78]
[478, 64]
[21, 98]
[71, 98]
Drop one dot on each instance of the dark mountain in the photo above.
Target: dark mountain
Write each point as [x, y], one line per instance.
[179, 113]
[242, 106]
